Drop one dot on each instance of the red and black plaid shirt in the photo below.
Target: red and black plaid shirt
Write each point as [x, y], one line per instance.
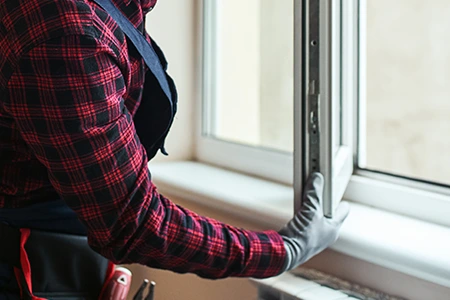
[69, 87]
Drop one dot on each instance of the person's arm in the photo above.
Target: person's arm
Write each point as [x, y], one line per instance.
[66, 99]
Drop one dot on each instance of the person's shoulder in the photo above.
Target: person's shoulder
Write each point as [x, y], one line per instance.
[32, 20]
[27, 23]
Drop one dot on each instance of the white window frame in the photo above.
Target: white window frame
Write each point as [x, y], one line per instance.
[420, 200]
[260, 162]
[411, 198]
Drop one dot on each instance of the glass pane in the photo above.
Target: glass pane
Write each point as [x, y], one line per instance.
[408, 88]
[253, 74]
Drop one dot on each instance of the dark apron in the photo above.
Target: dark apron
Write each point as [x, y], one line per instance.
[53, 216]
[152, 122]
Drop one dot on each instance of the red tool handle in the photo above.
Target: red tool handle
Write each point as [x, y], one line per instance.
[119, 285]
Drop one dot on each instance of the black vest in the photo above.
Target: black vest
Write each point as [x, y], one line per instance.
[156, 112]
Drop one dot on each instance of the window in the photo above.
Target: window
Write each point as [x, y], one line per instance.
[345, 87]
[400, 126]
[248, 87]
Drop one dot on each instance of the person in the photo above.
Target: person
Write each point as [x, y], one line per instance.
[74, 152]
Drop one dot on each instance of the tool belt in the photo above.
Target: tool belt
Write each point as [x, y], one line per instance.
[52, 265]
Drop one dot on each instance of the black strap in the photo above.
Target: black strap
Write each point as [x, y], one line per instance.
[143, 47]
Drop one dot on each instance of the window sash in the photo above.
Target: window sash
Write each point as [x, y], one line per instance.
[325, 61]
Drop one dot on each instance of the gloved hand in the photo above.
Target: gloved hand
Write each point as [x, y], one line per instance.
[309, 232]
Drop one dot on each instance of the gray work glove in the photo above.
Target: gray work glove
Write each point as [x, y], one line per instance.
[309, 232]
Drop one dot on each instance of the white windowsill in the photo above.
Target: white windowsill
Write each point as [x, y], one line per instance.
[395, 242]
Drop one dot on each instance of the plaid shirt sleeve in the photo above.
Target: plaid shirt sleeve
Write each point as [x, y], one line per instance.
[66, 98]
